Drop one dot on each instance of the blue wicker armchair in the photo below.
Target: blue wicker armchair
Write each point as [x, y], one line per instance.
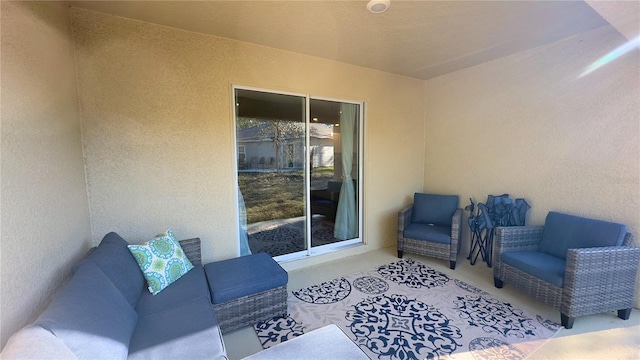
[577, 265]
[431, 226]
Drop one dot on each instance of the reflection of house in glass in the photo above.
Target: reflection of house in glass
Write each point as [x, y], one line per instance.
[272, 145]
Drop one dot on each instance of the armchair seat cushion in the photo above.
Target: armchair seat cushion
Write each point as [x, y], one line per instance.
[543, 266]
[439, 234]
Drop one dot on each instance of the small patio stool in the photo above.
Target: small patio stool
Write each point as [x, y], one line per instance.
[246, 290]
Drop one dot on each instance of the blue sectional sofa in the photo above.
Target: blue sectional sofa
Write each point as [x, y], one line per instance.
[106, 312]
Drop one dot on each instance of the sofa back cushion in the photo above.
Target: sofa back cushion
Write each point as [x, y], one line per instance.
[434, 209]
[563, 232]
[190, 286]
[90, 316]
[115, 260]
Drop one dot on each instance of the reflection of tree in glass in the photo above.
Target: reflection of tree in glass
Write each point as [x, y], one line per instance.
[278, 131]
[318, 131]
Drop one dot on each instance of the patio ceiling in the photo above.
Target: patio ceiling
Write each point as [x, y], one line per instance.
[420, 39]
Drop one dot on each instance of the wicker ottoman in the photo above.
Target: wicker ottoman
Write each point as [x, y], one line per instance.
[246, 290]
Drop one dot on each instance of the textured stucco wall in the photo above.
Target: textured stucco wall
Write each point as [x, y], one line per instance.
[158, 129]
[528, 126]
[45, 216]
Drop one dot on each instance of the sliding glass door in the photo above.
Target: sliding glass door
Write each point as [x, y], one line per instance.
[298, 170]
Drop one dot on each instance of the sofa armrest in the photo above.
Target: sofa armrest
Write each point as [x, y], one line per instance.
[513, 238]
[517, 238]
[36, 342]
[192, 249]
[456, 222]
[599, 278]
[404, 217]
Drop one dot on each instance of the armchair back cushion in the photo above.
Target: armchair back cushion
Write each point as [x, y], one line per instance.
[563, 232]
[434, 209]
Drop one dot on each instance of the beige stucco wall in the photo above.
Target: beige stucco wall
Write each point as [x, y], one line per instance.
[526, 125]
[158, 129]
[45, 218]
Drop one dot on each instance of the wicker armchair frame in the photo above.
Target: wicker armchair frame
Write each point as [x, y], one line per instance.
[421, 247]
[596, 280]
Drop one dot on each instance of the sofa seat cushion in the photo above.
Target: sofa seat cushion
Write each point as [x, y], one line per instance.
[191, 285]
[439, 234]
[541, 265]
[434, 209]
[90, 315]
[187, 331]
[563, 232]
[242, 276]
[115, 260]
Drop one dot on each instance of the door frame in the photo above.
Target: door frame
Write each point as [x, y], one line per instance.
[310, 251]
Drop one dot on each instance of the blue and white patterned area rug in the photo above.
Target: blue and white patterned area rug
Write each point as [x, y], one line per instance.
[407, 310]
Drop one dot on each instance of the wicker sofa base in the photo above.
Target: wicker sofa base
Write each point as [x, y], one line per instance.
[251, 309]
[538, 289]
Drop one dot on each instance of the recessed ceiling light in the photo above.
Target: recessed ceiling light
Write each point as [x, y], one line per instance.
[378, 6]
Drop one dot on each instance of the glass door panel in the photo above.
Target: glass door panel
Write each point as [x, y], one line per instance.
[334, 205]
[270, 129]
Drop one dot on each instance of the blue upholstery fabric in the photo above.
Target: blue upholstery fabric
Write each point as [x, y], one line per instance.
[21, 345]
[563, 232]
[187, 331]
[434, 209]
[191, 285]
[89, 309]
[439, 234]
[247, 275]
[115, 260]
[325, 202]
[543, 266]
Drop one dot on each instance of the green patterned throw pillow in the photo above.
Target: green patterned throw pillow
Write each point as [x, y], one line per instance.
[161, 260]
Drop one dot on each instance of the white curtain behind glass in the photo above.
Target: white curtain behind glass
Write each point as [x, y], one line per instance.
[244, 241]
[346, 225]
